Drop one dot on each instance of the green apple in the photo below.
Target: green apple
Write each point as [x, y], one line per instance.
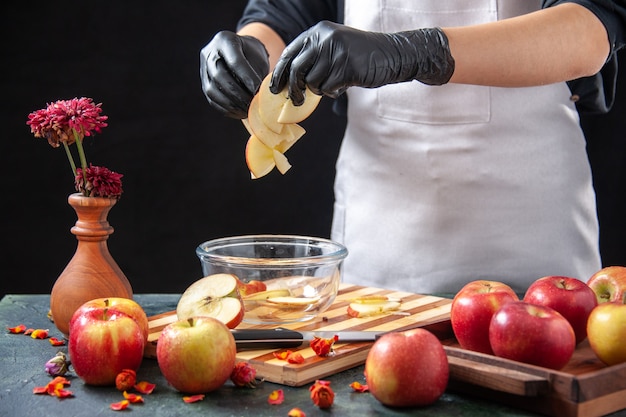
[196, 355]
[609, 284]
[606, 331]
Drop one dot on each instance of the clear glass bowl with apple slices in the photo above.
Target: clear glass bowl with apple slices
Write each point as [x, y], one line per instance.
[283, 278]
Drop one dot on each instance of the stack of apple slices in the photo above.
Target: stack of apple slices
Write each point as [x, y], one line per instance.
[273, 126]
[373, 305]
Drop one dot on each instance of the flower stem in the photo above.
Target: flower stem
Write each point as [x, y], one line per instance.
[83, 159]
[69, 156]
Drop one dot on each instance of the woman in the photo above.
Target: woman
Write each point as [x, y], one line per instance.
[463, 157]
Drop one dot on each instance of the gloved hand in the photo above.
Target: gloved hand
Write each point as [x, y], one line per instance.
[329, 58]
[231, 69]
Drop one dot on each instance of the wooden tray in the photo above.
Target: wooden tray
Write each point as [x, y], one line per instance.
[416, 311]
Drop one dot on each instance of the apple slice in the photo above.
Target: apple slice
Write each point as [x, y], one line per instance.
[295, 114]
[259, 158]
[373, 299]
[270, 105]
[293, 301]
[212, 296]
[372, 309]
[289, 132]
[281, 162]
[254, 286]
[264, 295]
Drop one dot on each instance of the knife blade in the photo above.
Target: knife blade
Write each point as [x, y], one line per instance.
[284, 338]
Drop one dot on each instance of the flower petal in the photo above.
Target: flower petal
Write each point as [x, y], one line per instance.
[56, 342]
[283, 355]
[276, 397]
[20, 328]
[193, 398]
[296, 412]
[358, 387]
[39, 334]
[122, 405]
[145, 387]
[295, 357]
[133, 398]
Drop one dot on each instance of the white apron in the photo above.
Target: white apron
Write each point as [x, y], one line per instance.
[438, 186]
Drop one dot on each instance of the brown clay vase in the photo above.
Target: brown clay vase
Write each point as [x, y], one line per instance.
[92, 272]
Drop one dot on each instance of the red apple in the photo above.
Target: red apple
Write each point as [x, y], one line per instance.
[125, 305]
[252, 287]
[406, 369]
[607, 332]
[569, 296]
[533, 334]
[213, 296]
[472, 309]
[609, 284]
[103, 342]
[196, 355]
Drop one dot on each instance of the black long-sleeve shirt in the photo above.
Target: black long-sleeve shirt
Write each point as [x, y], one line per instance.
[594, 94]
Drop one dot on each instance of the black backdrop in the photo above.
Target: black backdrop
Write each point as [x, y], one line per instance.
[185, 179]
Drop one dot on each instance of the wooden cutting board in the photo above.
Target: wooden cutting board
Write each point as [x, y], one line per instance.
[416, 311]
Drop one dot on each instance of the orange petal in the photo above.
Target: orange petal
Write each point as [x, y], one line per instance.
[296, 412]
[56, 342]
[133, 398]
[276, 397]
[295, 357]
[21, 328]
[40, 390]
[283, 355]
[122, 405]
[358, 387]
[39, 334]
[144, 387]
[193, 398]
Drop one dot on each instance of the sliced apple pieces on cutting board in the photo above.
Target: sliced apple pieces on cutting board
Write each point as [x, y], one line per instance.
[273, 121]
[373, 306]
[214, 296]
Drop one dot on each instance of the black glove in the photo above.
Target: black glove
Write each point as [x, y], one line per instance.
[329, 58]
[231, 69]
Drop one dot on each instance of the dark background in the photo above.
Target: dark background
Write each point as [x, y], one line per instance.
[185, 178]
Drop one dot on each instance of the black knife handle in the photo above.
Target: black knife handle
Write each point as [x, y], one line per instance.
[267, 338]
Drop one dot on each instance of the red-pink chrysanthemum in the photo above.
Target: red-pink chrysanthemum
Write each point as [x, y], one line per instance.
[66, 120]
[99, 182]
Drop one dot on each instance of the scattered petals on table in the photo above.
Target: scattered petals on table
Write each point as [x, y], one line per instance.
[193, 398]
[283, 354]
[323, 347]
[358, 387]
[276, 397]
[119, 406]
[145, 387]
[322, 394]
[56, 341]
[133, 398]
[20, 328]
[295, 358]
[39, 334]
[56, 388]
[296, 412]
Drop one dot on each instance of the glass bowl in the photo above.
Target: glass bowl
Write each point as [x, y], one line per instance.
[285, 278]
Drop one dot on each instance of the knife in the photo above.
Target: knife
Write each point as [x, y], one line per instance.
[284, 338]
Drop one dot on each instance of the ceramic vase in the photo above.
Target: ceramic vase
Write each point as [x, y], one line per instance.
[92, 272]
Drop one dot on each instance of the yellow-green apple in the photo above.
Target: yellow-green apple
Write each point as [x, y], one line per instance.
[609, 284]
[103, 342]
[606, 330]
[213, 296]
[472, 309]
[196, 355]
[407, 369]
[125, 305]
[571, 297]
[532, 334]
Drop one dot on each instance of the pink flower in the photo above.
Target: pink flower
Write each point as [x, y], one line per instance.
[99, 182]
[66, 122]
